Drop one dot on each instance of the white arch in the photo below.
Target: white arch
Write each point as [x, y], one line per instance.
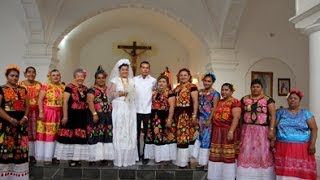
[268, 58]
[148, 16]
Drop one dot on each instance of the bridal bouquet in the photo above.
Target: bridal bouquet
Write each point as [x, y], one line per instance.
[131, 94]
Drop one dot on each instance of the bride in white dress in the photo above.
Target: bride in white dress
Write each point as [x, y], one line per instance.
[124, 119]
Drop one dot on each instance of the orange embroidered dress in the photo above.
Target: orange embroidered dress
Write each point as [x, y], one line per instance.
[47, 128]
[13, 139]
[33, 93]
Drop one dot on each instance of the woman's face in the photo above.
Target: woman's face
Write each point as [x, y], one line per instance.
[101, 80]
[79, 77]
[226, 92]
[13, 77]
[30, 74]
[124, 71]
[55, 77]
[162, 83]
[256, 89]
[184, 77]
[293, 100]
[207, 82]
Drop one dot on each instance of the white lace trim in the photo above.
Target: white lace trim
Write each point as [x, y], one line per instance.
[74, 152]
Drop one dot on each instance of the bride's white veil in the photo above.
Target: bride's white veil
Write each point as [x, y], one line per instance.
[115, 71]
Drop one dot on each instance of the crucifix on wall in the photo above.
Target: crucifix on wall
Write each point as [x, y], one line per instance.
[132, 51]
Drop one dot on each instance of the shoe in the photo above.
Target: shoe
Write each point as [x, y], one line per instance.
[33, 160]
[103, 162]
[110, 163]
[145, 161]
[72, 164]
[55, 161]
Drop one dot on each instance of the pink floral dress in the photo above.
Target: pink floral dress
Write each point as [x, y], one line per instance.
[254, 147]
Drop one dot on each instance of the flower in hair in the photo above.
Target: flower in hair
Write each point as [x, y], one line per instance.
[12, 67]
[297, 92]
[233, 87]
[85, 72]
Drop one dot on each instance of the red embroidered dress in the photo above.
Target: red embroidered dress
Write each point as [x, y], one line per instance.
[223, 150]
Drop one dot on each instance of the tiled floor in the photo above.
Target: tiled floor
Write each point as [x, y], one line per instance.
[137, 172]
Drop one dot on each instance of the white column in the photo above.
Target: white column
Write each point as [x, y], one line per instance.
[314, 79]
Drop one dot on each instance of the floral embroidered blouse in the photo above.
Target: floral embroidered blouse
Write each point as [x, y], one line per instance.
[14, 99]
[223, 112]
[160, 99]
[78, 96]
[33, 93]
[183, 95]
[101, 103]
[54, 95]
[206, 99]
[256, 111]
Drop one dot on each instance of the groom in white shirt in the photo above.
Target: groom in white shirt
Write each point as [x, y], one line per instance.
[144, 85]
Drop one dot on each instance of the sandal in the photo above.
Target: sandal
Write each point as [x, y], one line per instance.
[72, 164]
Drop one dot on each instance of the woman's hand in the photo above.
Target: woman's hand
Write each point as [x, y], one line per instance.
[64, 121]
[95, 118]
[169, 122]
[271, 134]
[13, 121]
[40, 115]
[121, 93]
[208, 123]
[23, 120]
[230, 136]
[311, 149]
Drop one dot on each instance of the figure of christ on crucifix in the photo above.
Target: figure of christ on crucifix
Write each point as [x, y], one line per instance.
[132, 51]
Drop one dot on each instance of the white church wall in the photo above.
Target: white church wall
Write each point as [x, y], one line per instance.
[68, 56]
[102, 49]
[12, 36]
[264, 33]
[280, 70]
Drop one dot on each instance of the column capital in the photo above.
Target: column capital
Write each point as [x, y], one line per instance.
[308, 21]
[222, 59]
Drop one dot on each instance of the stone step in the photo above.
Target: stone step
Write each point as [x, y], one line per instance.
[97, 172]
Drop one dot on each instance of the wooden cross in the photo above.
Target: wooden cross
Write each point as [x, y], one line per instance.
[132, 51]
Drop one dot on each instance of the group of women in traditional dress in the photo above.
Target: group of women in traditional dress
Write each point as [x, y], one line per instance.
[243, 139]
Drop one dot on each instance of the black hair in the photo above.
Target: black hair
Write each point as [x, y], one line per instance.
[163, 77]
[144, 62]
[213, 77]
[230, 86]
[11, 69]
[185, 70]
[256, 81]
[123, 65]
[30, 67]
